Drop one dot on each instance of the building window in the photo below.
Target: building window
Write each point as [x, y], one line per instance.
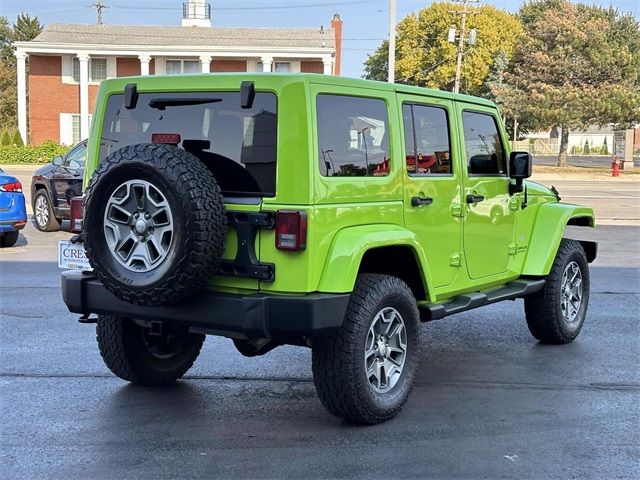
[75, 128]
[282, 67]
[353, 136]
[97, 69]
[176, 67]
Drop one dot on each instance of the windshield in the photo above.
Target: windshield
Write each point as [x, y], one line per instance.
[237, 144]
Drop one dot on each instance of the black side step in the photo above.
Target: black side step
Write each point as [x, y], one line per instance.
[512, 290]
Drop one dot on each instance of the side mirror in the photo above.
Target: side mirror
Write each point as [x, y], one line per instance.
[520, 165]
[57, 160]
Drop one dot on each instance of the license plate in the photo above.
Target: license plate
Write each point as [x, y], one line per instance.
[71, 256]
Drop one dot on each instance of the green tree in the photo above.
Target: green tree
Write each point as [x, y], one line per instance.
[424, 56]
[376, 66]
[17, 139]
[577, 65]
[26, 28]
[586, 149]
[6, 138]
[6, 35]
[605, 147]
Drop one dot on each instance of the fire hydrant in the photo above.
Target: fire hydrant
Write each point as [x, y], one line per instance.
[615, 167]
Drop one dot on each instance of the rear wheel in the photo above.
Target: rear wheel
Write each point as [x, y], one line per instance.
[365, 372]
[556, 313]
[138, 355]
[43, 215]
[8, 239]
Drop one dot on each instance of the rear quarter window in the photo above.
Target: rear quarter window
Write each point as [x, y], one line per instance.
[353, 136]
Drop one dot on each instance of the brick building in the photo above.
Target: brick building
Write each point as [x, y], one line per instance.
[67, 62]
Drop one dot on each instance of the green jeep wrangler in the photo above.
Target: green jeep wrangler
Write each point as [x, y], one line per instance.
[317, 211]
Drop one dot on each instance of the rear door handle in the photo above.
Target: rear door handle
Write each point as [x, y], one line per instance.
[418, 201]
[474, 198]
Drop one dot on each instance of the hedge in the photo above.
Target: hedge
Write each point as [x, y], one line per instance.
[13, 154]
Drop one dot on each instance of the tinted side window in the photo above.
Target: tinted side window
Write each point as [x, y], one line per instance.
[77, 155]
[485, 153]
[353, 136]
[426, 140]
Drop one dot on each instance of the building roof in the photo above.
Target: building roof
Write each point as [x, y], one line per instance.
[120, 35]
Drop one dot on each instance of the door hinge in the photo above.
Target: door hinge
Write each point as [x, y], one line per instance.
[456, 209]
[455, 260]
[514, 203]
[512, 249]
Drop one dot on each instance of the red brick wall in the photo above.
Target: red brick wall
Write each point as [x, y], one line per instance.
[127, 67]
[228, 65]
[49, 97]
[311, 67]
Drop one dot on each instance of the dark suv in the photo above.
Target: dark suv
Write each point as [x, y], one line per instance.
[53, 186]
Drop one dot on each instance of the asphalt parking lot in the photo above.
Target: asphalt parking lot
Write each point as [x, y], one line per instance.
[489, 401]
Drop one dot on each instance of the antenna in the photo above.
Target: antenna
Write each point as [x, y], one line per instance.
[99, 6]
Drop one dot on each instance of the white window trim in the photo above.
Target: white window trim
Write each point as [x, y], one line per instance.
[66, 128]
[67, 69]
[181, 60]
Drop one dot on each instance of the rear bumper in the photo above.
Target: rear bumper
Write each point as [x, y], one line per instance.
[233, 315]
[12, 225]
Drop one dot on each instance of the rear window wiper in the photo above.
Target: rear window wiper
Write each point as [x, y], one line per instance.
[164, 102]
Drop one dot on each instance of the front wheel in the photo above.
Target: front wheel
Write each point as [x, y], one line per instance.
[364, 372]
[139, 355]
[43, 215]
[556, 313]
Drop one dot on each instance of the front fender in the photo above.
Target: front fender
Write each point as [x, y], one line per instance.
[548, 229]
[350, 244]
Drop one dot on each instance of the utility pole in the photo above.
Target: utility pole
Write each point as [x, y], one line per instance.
[99, 6]
[392, 41]
[463, 23]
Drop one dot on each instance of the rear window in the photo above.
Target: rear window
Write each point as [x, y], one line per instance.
[238, 145]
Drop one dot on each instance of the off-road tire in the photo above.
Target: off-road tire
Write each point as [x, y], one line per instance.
[52, 224]
[124, 351]
[8, 239]
[198, 215]
[337, 360]
[543, 310]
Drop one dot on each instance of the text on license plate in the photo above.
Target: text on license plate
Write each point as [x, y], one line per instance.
[71, 256]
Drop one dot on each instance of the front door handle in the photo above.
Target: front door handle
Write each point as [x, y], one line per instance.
[418, 201]
[474, 198]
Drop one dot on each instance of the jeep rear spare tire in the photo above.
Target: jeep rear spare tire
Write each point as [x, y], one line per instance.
[155, 224]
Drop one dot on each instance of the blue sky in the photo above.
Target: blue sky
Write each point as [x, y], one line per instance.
[365, 22]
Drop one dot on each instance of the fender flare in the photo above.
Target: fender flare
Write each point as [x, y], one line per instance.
[548, 230]
[349, 246]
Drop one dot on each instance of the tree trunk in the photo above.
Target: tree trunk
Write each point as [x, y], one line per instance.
[564, 143]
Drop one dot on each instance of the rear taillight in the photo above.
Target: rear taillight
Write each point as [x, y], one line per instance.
[11, 187]
[291, 230]
[77, 211]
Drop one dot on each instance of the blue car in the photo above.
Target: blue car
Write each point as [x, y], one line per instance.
[13, 212]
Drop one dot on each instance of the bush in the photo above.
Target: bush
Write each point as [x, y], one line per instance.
[6, 138]
[586, 150]
[17, 139]
[605, 147]
[13, 154]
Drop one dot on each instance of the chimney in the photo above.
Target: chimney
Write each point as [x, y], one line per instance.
[196, 13]
[336, 24]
